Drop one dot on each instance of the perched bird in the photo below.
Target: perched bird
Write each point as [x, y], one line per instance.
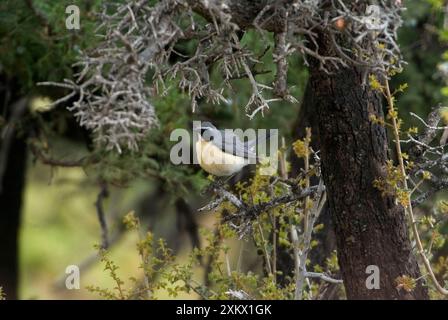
[222, 153]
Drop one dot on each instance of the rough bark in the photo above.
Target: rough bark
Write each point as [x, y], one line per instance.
[370, 228]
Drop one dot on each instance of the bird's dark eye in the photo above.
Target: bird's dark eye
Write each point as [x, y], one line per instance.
[206, 135]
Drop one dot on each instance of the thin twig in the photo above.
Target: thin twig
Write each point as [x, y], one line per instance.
[408, 208]
[103, 194]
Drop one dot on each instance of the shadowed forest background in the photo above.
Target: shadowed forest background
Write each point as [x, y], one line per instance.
[57, 184]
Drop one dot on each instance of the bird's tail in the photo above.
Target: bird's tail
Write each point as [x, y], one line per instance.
[252, 145]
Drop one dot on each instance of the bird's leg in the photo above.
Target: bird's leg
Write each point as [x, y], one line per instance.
[226, 179]
[218, 183]
[221, 181]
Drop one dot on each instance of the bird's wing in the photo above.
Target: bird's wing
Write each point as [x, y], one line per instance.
[253, 143]
[230, 143]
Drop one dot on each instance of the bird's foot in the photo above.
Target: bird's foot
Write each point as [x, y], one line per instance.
[218, 183]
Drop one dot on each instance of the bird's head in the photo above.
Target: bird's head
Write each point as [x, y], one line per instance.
[206, 130]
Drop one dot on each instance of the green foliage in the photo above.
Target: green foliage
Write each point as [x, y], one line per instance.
[118, 292]
[405, 283]
[152, 160]
[36, 46]
[422, 49]
[391, 185]
[395, 183]
[162, 271]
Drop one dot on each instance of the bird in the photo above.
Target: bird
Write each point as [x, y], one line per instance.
[222, 153]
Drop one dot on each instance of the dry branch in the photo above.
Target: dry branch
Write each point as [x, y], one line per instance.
[114, 98]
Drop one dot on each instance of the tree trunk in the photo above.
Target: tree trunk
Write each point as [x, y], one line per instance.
[370, 228]
[10, 212]
[12, 182]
